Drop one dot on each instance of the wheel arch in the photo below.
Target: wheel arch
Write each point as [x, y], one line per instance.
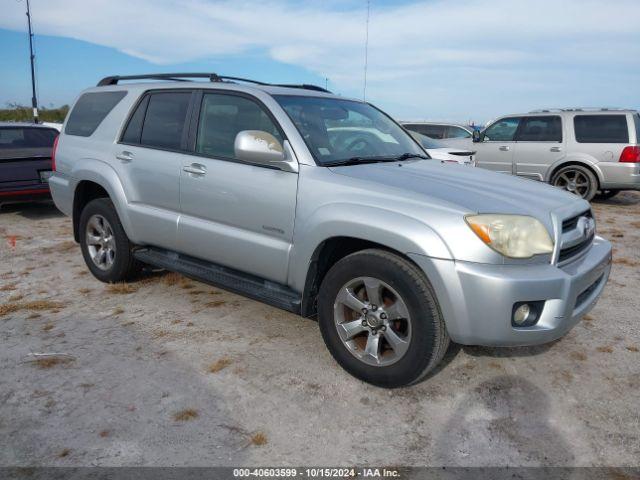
[582, 161]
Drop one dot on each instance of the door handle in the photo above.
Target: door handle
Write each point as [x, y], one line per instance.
[125, 156]
[555, 149]
[195, 169]
[504, 148]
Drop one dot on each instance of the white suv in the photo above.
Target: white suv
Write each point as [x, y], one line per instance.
[582, 151]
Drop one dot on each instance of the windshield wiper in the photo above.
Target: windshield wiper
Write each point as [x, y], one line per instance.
[407, 156]
[364, 160]
[358, 161]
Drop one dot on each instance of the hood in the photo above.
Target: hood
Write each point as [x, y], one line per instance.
[471, 189]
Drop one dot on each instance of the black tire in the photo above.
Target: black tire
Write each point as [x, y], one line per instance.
[125, 266]
[606, 194]
[429, 339]
[562, 176]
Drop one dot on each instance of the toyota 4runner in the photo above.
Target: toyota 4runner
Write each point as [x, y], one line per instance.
[325, 207]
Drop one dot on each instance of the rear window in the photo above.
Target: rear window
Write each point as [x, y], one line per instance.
[15, 137]
[90, 110]
[601, 128]
[433, 131]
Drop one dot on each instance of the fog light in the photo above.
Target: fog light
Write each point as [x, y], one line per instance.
[522, 314]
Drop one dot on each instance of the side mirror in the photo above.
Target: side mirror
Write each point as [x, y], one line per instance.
[477, 137]
[256, 146]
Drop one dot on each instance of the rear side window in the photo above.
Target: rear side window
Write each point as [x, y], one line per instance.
[90, 110]
[27, 137]
[601, 128]
[541, 129]
[636, 118]
[222, 117]
[164, 121]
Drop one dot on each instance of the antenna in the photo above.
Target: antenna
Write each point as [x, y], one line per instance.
[366, 53]
[34, 100]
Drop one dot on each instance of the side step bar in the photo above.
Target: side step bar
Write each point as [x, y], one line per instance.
[272, 293]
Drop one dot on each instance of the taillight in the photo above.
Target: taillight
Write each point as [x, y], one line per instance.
[53, 153]
[630, 155]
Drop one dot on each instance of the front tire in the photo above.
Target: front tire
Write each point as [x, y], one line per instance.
[380, 319]
[105, 246]
[578, 180]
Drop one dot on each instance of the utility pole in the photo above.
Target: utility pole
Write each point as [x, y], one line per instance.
[366, 53]
[34, 100]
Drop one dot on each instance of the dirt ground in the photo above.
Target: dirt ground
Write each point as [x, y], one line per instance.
[169, 371]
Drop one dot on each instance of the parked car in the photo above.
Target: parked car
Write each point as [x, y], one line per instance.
[452, 135]
[240, 185]
[581, 151]
[25, 161]
[438, 151]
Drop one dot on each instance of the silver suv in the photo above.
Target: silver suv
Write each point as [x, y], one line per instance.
[582, 151]
[325, 207]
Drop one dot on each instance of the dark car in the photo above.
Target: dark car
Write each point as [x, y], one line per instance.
[25, 161]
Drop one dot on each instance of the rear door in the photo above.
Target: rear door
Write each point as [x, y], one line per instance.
[497, 145]
[148, 159]
[234, 213]
[25, 156]
[541, 144]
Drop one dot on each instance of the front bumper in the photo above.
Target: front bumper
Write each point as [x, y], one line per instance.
[477, 300]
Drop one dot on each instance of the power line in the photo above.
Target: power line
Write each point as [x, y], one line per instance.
[366, 52]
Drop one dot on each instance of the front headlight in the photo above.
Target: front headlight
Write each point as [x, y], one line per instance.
[515, 236]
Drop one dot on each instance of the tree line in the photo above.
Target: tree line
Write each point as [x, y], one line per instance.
[21, 113]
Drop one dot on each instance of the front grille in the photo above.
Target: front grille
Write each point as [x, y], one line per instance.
[570, 223]
[567, 253]
[568, 227]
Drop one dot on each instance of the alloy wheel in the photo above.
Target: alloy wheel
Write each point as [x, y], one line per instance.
[372, 321]
[101, 243]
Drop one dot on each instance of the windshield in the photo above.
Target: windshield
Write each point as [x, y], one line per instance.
[338, 131]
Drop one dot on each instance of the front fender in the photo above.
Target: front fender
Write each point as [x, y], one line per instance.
[395, 231]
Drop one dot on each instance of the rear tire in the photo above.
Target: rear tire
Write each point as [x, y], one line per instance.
[606, 194]
[105, 246]
[578, 180]
[397, 342]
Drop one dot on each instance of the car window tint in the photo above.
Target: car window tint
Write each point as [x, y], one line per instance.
[222, 117]
[165, 120]
[541, 129]
[27, 137]
[601, 128]
[90, 110]
[134, 127]
[503, 130]
[457, 132]
[636, 117]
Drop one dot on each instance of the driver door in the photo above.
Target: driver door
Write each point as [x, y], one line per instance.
[233, 213]
[496, 148]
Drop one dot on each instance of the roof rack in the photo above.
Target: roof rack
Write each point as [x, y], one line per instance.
[579, 109]
[212, 77]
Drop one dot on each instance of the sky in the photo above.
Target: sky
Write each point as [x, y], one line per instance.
[462, 60]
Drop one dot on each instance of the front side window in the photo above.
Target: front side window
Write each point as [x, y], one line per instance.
[90, 110]
[504, 130]
[601, 128]
[337, 130]
[541, 129]
[223, 116]
[457, 132]
[165, 120]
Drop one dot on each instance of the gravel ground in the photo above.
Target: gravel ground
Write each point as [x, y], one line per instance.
[169, 371]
